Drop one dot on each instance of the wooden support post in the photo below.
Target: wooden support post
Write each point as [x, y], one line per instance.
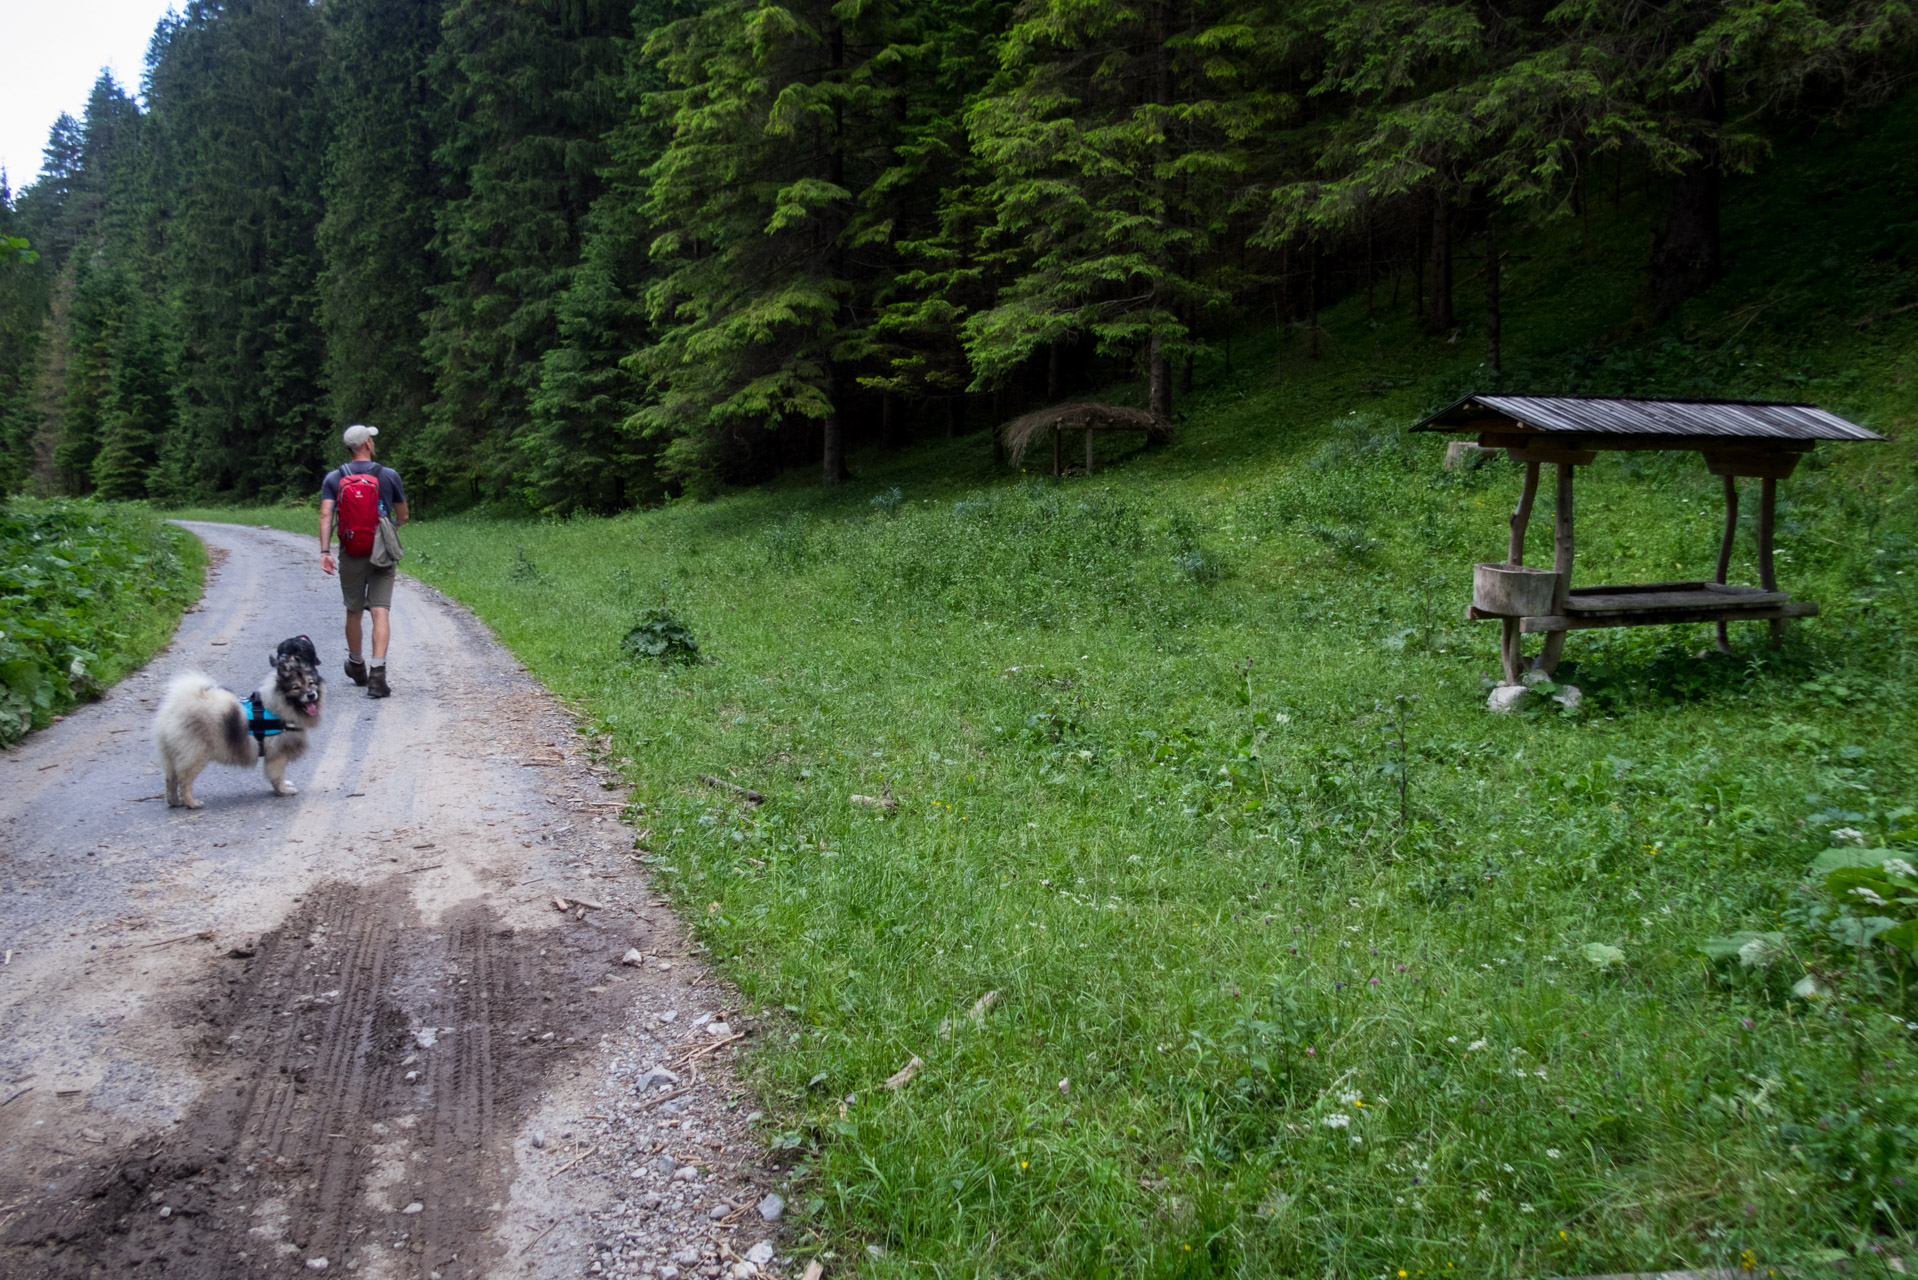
[1523, 516]
[1058, 455]
[1725, 552]
[1088, 450]
[1511, 650]
[1561, 565]
[1767, 575]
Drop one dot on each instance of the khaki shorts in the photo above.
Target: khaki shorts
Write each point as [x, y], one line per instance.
[364, 586]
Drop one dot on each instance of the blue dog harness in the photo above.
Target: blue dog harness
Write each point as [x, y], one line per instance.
[261, 723]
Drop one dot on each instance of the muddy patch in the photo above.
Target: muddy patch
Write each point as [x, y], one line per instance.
[363, 1076]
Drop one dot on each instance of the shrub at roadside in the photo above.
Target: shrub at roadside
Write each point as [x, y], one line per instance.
[87, 592]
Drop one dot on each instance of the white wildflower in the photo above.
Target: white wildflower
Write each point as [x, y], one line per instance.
[1337, 1120]
[1357, 1141]
[1475, 1046]
[1868, 895]
[1850, 835]
[1551, 1153]
[1899, 867]
[1352, 1098]
[1484, 1195]
[1525, 1208]
[1451, 1039]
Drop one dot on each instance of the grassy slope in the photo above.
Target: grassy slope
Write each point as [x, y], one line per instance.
[1143, 731]
[88, 592]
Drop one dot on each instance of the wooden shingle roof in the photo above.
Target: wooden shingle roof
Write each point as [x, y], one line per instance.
[1620, 416]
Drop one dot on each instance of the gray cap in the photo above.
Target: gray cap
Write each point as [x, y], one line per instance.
[357, 435]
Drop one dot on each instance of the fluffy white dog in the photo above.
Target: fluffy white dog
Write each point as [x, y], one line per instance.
[199, 723]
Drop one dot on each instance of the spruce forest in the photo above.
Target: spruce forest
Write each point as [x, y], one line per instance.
[584, 255]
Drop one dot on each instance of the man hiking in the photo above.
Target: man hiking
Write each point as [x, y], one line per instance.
[360, 492]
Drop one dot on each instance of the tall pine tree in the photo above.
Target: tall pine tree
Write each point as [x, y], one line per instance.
[1117, 145]
[382, 192]
[529, 93]
[584, 449]
[784, 117]
[234, 91]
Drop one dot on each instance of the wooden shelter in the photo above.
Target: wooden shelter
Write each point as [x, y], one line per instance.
[1755, 440]
[1087, 416]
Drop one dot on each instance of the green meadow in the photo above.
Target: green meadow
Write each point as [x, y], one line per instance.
[1305, 964]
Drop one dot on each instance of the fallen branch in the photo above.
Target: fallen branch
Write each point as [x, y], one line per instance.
[708, 1048]
[16, 1096]
[747, 793]
[1869, 320]
[650, 1103]
[575, 1160]
[536, 1239]
[413, 871]
[205, 935]
[899, 1078]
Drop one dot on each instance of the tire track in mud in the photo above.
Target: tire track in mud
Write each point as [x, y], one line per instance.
[358, 1063]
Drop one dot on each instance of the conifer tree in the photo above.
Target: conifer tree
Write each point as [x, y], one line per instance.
[528, 94]
[42, 206]
[138, 406]
[783, 119]
[927, 208]
[584, 449]
[1116, 147]
[23, 304]
[99, 301]
[234, 92]
[382, 192]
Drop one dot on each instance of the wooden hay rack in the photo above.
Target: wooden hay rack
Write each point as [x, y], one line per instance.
[1739, 439]
[1087, 416]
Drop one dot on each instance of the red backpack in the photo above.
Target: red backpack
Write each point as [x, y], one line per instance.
[359, 509]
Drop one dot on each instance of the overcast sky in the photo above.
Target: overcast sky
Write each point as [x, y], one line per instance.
[50, 55]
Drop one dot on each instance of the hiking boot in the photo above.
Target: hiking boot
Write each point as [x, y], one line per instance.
[356, 671]
[376, 686]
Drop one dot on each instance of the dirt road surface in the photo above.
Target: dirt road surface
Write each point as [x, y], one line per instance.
[348, 1030]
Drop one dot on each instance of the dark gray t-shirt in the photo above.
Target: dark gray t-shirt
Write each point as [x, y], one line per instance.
[392, 492]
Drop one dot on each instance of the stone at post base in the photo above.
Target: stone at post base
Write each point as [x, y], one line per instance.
[1507, 698]
[1504, 698]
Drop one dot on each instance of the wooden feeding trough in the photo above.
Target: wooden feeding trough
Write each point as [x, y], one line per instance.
[1739, 439]
[1074, 416]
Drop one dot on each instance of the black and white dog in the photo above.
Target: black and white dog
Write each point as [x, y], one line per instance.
[200, 723]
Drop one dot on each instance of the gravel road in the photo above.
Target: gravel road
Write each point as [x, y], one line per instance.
[349, 1030]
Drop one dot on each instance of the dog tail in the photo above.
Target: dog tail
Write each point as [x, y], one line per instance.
[193, 693]
[233, 729]
[190, 686]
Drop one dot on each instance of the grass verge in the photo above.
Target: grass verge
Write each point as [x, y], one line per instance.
[88, 592]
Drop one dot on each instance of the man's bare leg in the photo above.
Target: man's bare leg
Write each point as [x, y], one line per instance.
[353, 632]
[382, 631]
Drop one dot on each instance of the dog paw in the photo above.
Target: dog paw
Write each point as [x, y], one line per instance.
[286, 789]
[194, 804]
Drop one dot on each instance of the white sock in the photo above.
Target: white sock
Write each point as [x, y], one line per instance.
[379, 662]
[352, 655]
